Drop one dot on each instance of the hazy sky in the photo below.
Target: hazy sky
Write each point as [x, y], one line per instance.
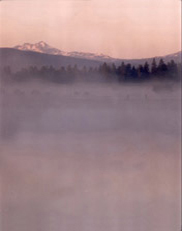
[119, 28]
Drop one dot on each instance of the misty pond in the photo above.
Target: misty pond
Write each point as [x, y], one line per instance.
[90, 157]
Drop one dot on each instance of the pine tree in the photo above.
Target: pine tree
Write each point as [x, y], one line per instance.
[154, 67]
[134, 73]
[172, 69]
[146, 70]
[140, 71]
[128, 71]
[162, 68]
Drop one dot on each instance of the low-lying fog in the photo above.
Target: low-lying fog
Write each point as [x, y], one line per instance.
[90, 157]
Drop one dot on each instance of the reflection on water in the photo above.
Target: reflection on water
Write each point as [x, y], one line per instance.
[90, 157]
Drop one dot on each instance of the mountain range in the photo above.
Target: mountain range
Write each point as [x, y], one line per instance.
[39, 54]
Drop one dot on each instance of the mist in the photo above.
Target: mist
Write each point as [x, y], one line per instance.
[89, 156]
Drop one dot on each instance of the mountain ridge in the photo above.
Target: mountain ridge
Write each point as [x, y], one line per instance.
[43, 47]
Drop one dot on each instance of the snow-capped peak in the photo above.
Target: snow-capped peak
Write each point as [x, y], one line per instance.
[40, 47]
[43, 47]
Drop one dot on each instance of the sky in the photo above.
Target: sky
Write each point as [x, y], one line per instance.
[118, 28]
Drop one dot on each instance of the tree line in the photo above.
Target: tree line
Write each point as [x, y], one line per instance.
[104, 73]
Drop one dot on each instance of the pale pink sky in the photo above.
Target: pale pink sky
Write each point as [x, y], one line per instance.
[119, 28]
